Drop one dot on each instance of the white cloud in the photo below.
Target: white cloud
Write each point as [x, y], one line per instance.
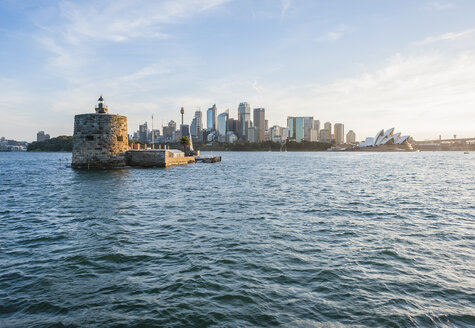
[424, 96]
[334, 35]
[148, 71]
[77, 31]
[285, 6]
[441, 5]
[446, 37]
[122, 20]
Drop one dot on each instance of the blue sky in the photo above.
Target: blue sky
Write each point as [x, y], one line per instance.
[369, 64]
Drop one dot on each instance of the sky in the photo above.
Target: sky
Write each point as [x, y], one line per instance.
[369, 64]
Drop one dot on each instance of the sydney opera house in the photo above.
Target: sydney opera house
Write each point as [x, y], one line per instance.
[387, 141]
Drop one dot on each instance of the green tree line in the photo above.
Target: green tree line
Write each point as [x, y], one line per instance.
[266, 146]
[61, 143]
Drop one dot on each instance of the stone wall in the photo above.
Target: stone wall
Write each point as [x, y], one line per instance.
[100, 141]
[147, 158]
[156, 158]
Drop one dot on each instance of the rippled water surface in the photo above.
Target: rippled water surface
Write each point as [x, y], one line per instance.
[260, 239]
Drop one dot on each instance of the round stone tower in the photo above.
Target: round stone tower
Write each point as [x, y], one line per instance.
[100, 139]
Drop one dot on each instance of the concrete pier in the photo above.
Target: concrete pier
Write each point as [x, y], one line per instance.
[157, 158]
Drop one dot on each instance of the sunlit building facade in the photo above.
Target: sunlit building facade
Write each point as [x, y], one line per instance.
[211, 118]
[328, 126]
[339, 133]
[244, 120]
[325, 135]
[197, 124]
[223, 125]
[351, 137]
[259, 124]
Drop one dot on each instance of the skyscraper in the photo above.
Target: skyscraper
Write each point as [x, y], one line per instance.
[169, 130]
[223, 123]
[252, 134]
[211, 118]
[328, 126]
[316, 130]
[259, 124]
[143, 132]
[351, 137]
[244, 120]
[233, 126]
[339, 131]
[296, 127]
[301, 128]
[185, 130]
[197, 124]
[308, 127]
[325, 135]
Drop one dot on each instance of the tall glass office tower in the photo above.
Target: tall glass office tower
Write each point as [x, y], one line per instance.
[211, 118]
[244, 120]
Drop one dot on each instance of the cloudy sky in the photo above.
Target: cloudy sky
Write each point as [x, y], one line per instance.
[369, 64]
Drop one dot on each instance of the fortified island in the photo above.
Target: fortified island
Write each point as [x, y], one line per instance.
[100, 141]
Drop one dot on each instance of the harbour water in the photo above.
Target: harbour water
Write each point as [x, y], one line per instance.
[259, 239]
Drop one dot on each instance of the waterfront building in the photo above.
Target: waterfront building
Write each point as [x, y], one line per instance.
[339, 131]
[211, 118]
[267, 135]
[325, 135]
[223, 125]
[244, 120]
[328, 126]
[185, 130]
[155, 135]
[308, 128]
[351, 137]
[259, 124]
[233, 126]
[143, 132]
[252, 134]
[12, 145]
[275, 133]
[387, 140]
[278, 133]
[302, 129]
[41, 136]
[231, 137]
[193, 128]
[197, 124]
[291, 125]
[211, 136]
[285, 134]
[316, 128]
[169, 131]
[267, 125]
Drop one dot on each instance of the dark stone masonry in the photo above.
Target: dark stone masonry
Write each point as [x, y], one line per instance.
[100, 139]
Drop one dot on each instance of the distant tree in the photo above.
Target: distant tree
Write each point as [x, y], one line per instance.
[185, 142]
[61, 143]
[265, 146]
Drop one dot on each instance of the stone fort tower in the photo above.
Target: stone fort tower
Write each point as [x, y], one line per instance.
[100, 139]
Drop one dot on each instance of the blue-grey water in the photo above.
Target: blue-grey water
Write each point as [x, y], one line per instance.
[258, 240]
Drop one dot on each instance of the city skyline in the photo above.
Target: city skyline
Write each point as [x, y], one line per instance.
[407, 64]
[224, 128]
